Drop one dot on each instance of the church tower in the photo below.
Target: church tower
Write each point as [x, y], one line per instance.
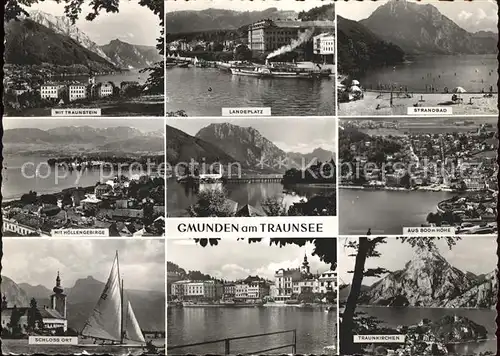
[304, 268]
[58, 299]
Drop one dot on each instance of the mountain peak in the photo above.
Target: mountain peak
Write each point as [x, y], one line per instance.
[423, 29]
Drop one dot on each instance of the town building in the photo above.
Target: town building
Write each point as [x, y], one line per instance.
[229, 290]
[77, 91]
[269, 35]
[51, 91]
[197, 290]
[290, 283]
[324, 43]
[106, 89]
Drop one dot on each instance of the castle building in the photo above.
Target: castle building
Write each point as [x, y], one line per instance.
[54, 318]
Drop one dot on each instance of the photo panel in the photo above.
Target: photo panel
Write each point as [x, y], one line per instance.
[78, 59]
[418, 176]
[252, 296]
[83, 177]
[417, 58]
[244, 58]
[251, 175]
[418, 295]
[90, 297]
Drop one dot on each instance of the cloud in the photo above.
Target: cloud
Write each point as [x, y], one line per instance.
[464, 15]
[142, 262]
[234, 260]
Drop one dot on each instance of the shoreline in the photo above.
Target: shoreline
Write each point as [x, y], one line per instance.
[415, 307]
[398, 189]
[373, 99]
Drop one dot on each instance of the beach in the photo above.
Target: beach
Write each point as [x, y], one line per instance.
[368, 105]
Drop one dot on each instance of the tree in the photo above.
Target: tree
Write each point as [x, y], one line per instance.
[29, 198]
[366, 248]
[35, 320]
[325, 249]
[211, 203]
[306, 296]
[273, 207]
[242, 53]
[13, 324]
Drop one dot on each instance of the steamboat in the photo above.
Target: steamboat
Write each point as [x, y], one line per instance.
[282, 70]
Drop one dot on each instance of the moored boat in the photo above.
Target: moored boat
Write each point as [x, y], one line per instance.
[249, 72]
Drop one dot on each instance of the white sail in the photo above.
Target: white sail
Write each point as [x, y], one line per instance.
[106, 318]
[132, 329]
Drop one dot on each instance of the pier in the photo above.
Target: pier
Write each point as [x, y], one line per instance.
[256, 179]
[227, 343]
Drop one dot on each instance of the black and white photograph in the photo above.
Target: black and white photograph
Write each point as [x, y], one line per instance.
[107, 295]
[84, 59]
[277, 55]
[396, 56]
[257, 296]
[418, 172]
[106, 176]
[251, 167]
[438, 294]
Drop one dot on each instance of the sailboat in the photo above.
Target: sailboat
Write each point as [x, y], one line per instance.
[113, 321]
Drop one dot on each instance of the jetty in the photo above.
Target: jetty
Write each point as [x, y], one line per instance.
[254, 179]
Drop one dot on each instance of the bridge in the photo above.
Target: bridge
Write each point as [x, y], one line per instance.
[227, 343]
[255, 179]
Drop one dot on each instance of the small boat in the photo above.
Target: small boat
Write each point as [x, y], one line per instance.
[113, 322]
[183, 65]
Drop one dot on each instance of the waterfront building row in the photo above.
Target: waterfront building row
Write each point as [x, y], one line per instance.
[290, 283]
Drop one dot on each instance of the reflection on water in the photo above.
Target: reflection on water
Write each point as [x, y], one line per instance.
[205, 91]
[315, 329]
[181, 196]
[472, 72]
[394, 317]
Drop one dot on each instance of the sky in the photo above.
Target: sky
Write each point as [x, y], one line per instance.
[143, 124]
[36, 261]
[233, 260]
[133, 23]
[291, 135]
[476, 254]
[471, 15]
[243, 5]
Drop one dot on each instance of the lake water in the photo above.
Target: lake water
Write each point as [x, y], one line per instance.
[205, 91]
[180, 196]
[385, 212]
[473, 73]
[130, 75]
[316, 329]
[16, 183]
[21, 347]
[393, 317]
